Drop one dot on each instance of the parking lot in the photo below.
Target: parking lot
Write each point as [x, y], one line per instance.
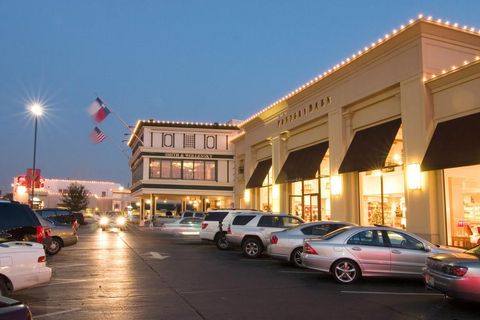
[143, 274]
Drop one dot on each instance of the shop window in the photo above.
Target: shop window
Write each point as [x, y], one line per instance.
[154, 169]
[210, 170]
[462, 190]
[166, 172]
[383, 190]
[310, 199]
[176, 169]
[188, 170]
[266, 192]
[199, 170]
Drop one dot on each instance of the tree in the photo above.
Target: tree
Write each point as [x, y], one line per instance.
[75, 197]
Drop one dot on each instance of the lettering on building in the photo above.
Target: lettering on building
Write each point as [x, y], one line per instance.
[288, 117]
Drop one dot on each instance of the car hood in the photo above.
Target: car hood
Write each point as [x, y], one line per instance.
[456, 257]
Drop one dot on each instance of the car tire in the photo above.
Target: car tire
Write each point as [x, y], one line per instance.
[252, 248]
[296, 257]
[4, 288]
[221, 242]
[345, 271]
[54, 247]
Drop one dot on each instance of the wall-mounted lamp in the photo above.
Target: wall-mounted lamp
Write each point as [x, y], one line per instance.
[246, 196]
[414, 176]
[335, 185]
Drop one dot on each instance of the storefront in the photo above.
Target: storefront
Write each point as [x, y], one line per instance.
[365, 142]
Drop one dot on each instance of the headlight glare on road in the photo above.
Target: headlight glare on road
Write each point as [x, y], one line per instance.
[103, 220]
[121, 221]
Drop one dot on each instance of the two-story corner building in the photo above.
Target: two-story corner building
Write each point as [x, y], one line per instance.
[390, 135]
[182, 162]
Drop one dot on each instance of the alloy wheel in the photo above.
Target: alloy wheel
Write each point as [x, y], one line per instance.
[345, 272]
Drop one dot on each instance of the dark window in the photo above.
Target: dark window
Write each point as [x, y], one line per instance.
[216, 216]
[290, 222]
[271, 222]
[317, 230]
[14, 215]
[367, 238]
[401, 240]
[188, 214]
[242, 220]
[104, 194]
[48, 213]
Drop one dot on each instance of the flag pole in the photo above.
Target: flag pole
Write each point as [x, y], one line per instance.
[124, 123]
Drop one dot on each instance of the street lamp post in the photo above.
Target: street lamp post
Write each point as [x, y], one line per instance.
[37, 110]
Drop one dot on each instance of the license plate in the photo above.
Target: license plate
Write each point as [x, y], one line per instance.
[429, 280]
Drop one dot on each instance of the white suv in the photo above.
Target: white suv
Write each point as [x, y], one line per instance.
[213, 228]
[251, 231]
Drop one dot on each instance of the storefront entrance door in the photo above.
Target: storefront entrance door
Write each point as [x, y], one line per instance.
[310, 209]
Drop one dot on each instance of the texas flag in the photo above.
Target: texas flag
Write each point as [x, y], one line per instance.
[98, 110]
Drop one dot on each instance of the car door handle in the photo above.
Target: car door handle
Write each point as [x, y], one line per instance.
[357, 249]
[396, 251]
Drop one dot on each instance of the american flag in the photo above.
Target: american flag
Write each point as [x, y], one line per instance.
[97, 135]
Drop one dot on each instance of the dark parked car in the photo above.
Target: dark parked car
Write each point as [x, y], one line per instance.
[18, 222]
[13, 310]
[60, 215]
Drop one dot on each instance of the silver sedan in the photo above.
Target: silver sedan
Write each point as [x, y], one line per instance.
[351, 252]
[287, 245]
[456, 275]
[63, 235]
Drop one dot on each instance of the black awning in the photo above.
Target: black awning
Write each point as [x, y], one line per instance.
[302, 164]
[455, 143]
[259, 174]
[370, 147]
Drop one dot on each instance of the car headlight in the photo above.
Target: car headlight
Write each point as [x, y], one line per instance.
[103, 220]
[121, 221]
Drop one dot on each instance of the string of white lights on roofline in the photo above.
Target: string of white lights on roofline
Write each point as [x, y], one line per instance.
[361, 52]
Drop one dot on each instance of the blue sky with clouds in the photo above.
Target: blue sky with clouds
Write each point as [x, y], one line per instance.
[170, 60]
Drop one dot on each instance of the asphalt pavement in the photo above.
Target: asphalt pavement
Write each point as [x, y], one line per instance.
[143, 274]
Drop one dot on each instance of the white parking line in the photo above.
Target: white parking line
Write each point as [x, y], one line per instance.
[62, 281]
[55, 313]
[69, 265]
[395, 293]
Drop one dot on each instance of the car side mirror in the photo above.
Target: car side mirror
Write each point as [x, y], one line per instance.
[427, 248]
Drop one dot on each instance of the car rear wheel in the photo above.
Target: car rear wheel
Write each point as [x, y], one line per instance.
[54, 247]
[221, 241]
[252, 248]
[296, 257]
[345, 271]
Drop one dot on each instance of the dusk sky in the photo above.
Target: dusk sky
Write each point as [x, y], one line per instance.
[206, 61]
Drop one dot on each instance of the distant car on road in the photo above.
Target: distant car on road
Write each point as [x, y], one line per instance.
[287, 245]
[63, 235]
[455, 274]
[183, 227]
[23, 266]
[351, 252]
[112, 219]
[18, 222]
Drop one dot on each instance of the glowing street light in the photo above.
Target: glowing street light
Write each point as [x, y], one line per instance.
[37, 111]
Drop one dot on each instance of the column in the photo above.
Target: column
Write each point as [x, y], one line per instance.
[425, 210]
[142, 212]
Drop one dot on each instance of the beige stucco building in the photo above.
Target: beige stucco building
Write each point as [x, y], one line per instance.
[390, 135]
[185, 164]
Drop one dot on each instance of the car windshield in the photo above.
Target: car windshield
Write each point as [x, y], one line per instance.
[335, 233]
[474, 251]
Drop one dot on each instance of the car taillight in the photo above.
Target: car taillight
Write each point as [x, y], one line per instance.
[42, 259]
[204, 225]
[229, 230]
[308, 249]
[273, 239]
[455, 270]
[40, 234]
